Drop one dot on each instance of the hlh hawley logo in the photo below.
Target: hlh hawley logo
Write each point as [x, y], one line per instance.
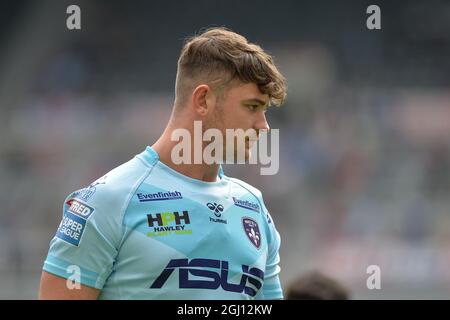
[166, 223]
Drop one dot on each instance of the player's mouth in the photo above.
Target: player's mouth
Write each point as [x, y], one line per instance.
[250, 141]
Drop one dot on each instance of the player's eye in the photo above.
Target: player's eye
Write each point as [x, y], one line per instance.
[252, 107]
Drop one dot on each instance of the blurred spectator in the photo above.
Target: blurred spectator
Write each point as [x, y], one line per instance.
[316, 286]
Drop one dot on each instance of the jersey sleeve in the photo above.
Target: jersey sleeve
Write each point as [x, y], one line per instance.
[87, 239]
[272, 287]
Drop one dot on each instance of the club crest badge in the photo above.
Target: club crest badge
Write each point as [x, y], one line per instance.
[251, 229]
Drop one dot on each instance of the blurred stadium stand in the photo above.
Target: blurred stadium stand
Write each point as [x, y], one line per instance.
[364, 136]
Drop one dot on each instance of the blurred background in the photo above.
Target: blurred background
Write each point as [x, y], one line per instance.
[364, 173]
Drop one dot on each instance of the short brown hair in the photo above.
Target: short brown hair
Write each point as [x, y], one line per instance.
[218, 56]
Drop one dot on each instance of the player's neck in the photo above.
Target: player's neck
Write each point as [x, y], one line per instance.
[164, 146]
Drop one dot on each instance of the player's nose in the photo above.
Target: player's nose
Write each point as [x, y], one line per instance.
[261, 122]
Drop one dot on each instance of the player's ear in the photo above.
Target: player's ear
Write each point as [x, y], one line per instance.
[203, 99]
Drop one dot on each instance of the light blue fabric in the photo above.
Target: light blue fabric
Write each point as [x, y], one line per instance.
[145, 231]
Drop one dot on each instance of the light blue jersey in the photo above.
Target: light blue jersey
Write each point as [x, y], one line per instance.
[145, 231]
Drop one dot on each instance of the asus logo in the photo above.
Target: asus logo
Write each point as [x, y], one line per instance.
[212, 279]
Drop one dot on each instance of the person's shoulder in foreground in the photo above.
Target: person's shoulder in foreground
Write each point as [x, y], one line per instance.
[315, 285]
[153, 229]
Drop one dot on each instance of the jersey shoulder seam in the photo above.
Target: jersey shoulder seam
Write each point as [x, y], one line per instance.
[242, 185]
[131, 193]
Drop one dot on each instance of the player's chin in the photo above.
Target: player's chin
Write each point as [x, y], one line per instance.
[248, 150]
[241, 157]
[247, 158]
[247, 154]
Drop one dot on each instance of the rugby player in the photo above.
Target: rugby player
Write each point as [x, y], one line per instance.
[153, 229]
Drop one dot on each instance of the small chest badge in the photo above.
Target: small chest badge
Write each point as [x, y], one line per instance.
[251, 229]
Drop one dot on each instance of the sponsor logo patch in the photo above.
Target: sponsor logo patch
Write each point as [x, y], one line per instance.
[159, 196]
[80, 208]
[217, 209]
[246, 204]
[86, 193]
[74, 220]
[210, 274]
[167, 223]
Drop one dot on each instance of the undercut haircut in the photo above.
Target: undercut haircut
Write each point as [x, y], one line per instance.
[218, 57]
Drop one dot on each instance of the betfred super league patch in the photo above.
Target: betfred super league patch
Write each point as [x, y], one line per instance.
[80, 208]
[74, 220]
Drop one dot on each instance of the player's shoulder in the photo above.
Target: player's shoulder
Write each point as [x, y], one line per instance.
[251, 198]
[246, 186]
[250, 193]
[114, 189]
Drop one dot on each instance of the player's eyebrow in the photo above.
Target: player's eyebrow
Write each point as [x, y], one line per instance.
[256, 100]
